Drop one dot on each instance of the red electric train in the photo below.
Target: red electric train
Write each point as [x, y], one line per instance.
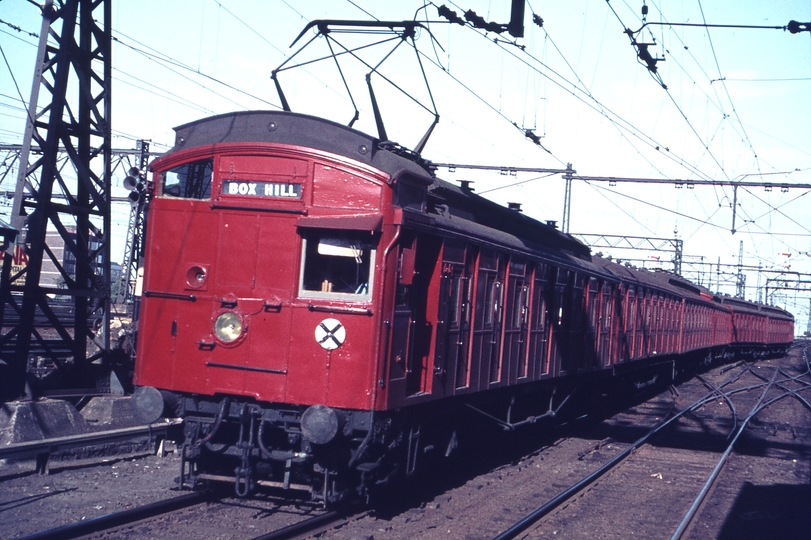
[319, 307]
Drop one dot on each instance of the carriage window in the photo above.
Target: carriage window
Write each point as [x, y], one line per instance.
[189, 181]
[338, 263]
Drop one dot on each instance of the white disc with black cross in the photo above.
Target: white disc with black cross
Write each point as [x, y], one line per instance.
[330, 334]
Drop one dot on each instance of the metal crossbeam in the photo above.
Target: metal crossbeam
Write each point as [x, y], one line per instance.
[646, 243]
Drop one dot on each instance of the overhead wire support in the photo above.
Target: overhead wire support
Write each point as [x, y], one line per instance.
[644, 243]
[793, 26]
[80, 123]
[692, 183]
[650, 61]
[504, 169]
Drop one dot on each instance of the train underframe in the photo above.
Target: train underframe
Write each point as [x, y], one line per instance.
[331, 455]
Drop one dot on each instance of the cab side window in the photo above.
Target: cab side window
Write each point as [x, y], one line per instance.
[337, 264]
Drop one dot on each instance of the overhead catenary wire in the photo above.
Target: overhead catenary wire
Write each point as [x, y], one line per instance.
[632, 139]
[706, 146]
[173, 62]
[573, 89]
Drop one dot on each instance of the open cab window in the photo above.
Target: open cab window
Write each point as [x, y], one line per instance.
[189, 181]
[338, 265]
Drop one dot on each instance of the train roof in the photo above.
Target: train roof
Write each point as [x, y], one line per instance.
[660, 279]
[462, 210]
[455, 209]
[742, 305]
[299, 130]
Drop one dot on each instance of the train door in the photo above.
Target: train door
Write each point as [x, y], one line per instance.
[488, 316]
[557, 346]
[560, 278]
[618, 324]
[645, 317]
[572, 323]
[453, 321]
[410, 332]
[640, 335]
[516, 312]
[630, 322]
[539, 324]
[606, 315]
[660, 323]
[592, 342]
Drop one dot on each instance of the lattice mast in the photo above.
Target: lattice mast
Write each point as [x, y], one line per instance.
[70, 108]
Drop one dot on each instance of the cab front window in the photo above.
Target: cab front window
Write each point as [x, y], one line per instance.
[189, 181]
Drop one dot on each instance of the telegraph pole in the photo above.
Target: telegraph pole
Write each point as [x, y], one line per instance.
[567, 199]
[741, 283]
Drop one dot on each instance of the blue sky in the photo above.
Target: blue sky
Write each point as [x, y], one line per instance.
[737, 105]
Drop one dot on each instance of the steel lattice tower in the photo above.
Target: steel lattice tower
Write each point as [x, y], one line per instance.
[69, 108]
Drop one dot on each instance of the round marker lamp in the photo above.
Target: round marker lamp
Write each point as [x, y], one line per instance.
[228, 327]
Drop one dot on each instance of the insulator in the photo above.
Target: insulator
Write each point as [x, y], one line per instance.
[474, 19]
[795, 27]
[494, 27]
[449, 14]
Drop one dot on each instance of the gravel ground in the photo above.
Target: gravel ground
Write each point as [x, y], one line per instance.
[30, 502]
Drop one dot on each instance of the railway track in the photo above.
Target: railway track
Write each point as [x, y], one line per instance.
[41, 450]
[117, 519]
[659, 480]
[686, 471]
[162, 517]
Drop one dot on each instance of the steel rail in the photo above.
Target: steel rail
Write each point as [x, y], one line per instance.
[531, 518]
[35, 449]
[688, 517]
[114, 519]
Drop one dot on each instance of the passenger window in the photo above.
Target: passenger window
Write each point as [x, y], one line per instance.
[189, 181]
[338, 264]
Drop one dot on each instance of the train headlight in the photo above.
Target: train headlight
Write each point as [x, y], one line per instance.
[228, 327]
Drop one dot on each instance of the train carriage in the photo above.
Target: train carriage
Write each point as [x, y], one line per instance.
[317, 305]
